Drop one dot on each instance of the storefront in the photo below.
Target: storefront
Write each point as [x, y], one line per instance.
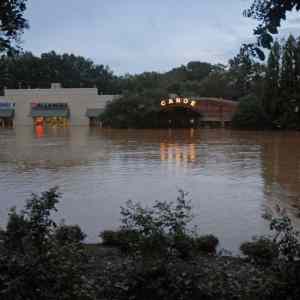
[193, 113]
[50, 114]
[57, 106]
[7, 113]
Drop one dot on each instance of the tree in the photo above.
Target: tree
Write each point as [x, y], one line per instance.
[240, 68]
[288, 73]
[30, 71]
[250, 114]
[134, 110]
[198, 70]
[272, 80]
[12, 23]
[269, 14]
[289, 117]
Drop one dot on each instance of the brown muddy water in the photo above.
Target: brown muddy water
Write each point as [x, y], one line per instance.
[232, 177]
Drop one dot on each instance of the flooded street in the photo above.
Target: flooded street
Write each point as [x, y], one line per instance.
[233, 177]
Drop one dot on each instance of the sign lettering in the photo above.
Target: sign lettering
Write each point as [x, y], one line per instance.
[48, 106]
[178, 100]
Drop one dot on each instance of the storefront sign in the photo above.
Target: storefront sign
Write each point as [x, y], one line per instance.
[177, 101]
[7, 105]
[48, 106]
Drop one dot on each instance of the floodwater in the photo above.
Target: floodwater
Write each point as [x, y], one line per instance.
[233, 177]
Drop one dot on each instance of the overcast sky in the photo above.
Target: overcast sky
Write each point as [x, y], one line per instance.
[132, 36]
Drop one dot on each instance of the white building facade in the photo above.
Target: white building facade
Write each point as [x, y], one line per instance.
[78, 106]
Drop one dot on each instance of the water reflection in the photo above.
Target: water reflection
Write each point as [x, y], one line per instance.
[179, 153]
[232, 176]
[182, 153]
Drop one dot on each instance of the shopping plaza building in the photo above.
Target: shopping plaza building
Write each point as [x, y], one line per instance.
[63, 107]
[56, 106]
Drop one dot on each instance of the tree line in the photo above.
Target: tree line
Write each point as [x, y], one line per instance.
[276, 104]
[269, 93]
[27, 70]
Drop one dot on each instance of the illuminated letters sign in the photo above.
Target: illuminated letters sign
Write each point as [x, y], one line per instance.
[178, 100]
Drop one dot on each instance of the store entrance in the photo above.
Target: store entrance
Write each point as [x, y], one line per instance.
[6, 122]
[179, 117]
[52, 122]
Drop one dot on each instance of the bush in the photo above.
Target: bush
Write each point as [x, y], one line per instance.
[207, 244]
[159, 229]
[261, 251]
[222, 278]
[285, 236]
[40, 259]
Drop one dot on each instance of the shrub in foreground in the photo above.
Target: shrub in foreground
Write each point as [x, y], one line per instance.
[261, 250]
[207, 244]
[40, 259]
[160, 230]
[202, 278]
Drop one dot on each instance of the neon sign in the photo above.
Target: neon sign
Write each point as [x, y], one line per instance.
[178, 100]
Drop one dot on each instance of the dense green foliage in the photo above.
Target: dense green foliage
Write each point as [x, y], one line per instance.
[281, 98]
[260, 251]
[159, 231]
[133, 111]
[196, 78]
[12, 23]
[250, 114]
[276, 104]
[29, 71]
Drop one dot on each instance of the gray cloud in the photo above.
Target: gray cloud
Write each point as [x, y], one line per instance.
[138, 35]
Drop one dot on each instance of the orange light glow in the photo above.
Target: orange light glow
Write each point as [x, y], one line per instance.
[39, 131]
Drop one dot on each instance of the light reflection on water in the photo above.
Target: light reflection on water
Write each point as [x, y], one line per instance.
[232, 176]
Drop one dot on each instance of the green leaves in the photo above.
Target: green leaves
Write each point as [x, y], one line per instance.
[250, 114]
[265, 40]
[12, 23]
[157, 227]
[269, 13]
